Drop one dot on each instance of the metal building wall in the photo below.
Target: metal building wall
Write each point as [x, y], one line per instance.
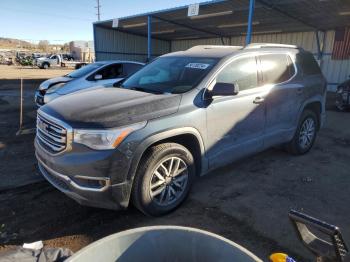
[111, 44]
[336, 71]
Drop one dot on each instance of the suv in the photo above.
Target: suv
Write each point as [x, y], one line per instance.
[181, 116]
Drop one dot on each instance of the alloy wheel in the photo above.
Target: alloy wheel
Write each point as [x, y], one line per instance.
[169, 181]
[307, 133]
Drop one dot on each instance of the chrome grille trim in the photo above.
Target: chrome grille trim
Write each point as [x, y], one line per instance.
[53, 135]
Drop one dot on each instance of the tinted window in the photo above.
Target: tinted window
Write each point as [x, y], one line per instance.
[129, 69]
[276, 68]
[308, 64]
[241, 72]
[84, 70]
[170, 74]
[111, 71]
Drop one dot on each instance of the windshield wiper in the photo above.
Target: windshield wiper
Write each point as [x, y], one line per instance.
[146, 90]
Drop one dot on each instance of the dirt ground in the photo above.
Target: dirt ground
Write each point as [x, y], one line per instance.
[246, 202]
[27, 72]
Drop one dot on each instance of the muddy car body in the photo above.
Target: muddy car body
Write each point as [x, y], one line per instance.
[179, 117]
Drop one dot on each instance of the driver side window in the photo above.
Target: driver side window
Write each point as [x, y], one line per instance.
[242, 72]
[111, 71]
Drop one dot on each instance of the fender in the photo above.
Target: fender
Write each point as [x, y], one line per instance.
[317, 98]
[142, 147]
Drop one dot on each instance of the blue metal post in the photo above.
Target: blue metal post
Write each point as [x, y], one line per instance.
[250, 22]
[149, 38]
[319, 51]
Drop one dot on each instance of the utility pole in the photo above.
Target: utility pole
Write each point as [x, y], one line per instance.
[98, 10]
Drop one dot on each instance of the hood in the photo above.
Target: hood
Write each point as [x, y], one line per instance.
[78, 85]
[111, 107]
[50, 82]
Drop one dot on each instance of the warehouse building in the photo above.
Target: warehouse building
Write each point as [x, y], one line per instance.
[319, 26]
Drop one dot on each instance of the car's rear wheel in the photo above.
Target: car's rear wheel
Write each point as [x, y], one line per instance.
[305, 134]
[163, 179]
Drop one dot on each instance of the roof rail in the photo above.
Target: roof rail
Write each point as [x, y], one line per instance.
[201, 47]
[267, 45]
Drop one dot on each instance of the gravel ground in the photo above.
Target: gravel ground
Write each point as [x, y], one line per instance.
[247, 201]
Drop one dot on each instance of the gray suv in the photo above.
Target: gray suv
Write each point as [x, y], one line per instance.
[181, 116]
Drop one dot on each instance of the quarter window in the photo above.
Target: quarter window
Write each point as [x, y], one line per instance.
[308, 64]
[276, 68]
[242, 73]
[130, 68]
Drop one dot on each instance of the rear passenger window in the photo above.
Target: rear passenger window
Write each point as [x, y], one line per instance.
[276, 68]
[241, 72]
[308, 64]
[130, 68]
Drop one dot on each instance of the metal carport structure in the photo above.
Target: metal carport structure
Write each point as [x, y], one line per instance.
[308, 23]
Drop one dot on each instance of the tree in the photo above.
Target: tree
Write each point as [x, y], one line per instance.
[43, 45]
[65, 47]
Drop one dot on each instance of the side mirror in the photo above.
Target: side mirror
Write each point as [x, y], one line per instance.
[119, 83]
[98, 77]
[224, 89]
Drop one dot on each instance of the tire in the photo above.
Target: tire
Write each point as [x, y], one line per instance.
[45, 66]
[340, 108]
[175, 188]
[298, 145]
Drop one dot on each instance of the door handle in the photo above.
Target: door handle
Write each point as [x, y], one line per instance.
[258, 100]
[299, 91]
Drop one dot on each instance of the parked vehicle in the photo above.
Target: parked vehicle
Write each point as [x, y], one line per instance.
[48, 61]
[67, 57]
[58, 60]
[342, 100]
[181, 116]
[102, 74]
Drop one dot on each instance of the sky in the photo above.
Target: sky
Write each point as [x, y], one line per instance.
[61, 21]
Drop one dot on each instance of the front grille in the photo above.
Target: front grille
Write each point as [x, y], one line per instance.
[51, 135]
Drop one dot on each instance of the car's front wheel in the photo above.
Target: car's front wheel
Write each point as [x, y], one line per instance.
[163, 179]
[305, 134]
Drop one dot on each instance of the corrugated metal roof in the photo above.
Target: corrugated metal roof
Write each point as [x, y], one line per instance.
[229, 18]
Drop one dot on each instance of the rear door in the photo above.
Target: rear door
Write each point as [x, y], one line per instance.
[282, 103]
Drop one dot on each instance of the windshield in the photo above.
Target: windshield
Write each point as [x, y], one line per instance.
[170, 75]
[84, 70]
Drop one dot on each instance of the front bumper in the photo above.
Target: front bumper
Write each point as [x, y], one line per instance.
[343, 98]
[66, 174]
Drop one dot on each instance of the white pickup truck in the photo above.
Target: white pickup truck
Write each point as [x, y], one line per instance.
[57, 60]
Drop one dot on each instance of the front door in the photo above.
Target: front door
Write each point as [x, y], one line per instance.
[235, 124]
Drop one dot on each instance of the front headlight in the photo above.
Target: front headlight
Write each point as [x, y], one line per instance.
[53, 88]
[105, 138]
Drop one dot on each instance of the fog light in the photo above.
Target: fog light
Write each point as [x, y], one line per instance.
[91, 182]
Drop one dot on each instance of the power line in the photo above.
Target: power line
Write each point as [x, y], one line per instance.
[98, 10]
